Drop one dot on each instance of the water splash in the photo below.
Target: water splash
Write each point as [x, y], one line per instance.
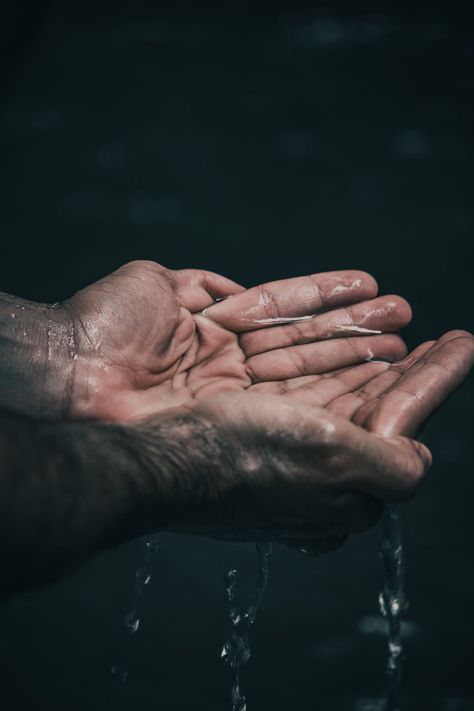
[131, 620]
[236, 651]
[392, 602]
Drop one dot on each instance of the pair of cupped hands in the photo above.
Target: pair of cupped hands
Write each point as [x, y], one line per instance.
[305, 400]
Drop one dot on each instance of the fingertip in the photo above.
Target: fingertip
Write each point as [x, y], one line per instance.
[465, 337]
[372, 284]
[371, 287]
[424, 453]
[401, 308]
[395, 347]
[458, 333]
[220, 286]
[416, 467]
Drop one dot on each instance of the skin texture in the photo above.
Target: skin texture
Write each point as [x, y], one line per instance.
[148, 339]
[266, 416]
[312, 340]
[360, 447]
[239, 466]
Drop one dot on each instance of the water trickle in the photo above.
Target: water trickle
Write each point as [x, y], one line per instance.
[131, 620]
[392, 602]
[236, 651]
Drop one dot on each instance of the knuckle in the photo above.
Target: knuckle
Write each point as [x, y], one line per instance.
[250, 370]
[268, 302]
[299, 361]
[320, 297]
[143, 264]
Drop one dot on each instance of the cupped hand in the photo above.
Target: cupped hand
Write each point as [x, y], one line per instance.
[389, 399]
[271, 468]
[314, 463]
[149, 339]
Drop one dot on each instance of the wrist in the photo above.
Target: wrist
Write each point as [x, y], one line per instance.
[36, 358]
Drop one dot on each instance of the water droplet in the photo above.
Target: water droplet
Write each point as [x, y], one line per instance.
[235, 616]
[131, 622]
[143, 576]
[152, 544]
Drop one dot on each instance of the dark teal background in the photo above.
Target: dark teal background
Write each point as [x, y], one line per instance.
[261, 140]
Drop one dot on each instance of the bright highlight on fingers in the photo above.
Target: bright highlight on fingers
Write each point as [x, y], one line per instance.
[384, 314]
[292, 300]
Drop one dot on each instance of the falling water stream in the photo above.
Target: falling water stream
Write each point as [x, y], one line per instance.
[131, 620]
[236, 651]
[392, 602]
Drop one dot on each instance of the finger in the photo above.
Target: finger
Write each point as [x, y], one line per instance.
[314, 358]
[291, 300]
[400, 465]
[198, 288]
[365, 398]
[321, 389]
[387, 469]
[386, 313]
[424, 387]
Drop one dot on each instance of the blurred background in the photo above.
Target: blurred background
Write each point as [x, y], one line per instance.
[260, 140]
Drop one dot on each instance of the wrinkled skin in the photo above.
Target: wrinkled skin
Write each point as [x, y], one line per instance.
[334, 447]
[308, 414]
[144, 345]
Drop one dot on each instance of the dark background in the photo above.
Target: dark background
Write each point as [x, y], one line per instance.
[260, 140]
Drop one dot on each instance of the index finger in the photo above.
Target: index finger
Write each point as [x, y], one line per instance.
[289, 300]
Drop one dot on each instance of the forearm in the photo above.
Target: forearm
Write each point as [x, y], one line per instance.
[36, 358]
[68, 491]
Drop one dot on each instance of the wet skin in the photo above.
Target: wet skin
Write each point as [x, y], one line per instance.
[149, 339]
[267, 415]
[152, 340]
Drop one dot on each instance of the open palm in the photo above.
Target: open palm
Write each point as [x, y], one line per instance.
[389, 399]
[352, 429]
[150, 339]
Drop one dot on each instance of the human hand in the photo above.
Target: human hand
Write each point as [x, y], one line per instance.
[264, 467]
[149, 339]
[322, 484]
[390, 399]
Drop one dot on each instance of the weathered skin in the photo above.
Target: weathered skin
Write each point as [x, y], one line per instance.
[267, 417]
[143, 344]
